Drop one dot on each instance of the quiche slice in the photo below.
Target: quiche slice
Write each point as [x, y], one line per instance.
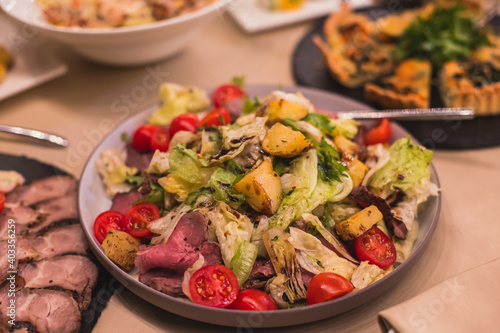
[409, 87]
[351, 52]
[471, 84]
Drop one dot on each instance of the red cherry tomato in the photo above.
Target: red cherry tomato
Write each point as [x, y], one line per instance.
[107, 221]
[215, 117]
[160, 139]
[142, 137]
[2, 201]
[253, 300]
[138, 217]
[213, 285]
[185, 122]
[227, 92]
[378, 134]
[327, 286]
[375, 247]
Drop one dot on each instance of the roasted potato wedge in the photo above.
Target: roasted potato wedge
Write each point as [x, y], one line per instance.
[357, 169]
[357, 224]
[344, 145]
[281, 109]
[121, 248]
[281, 140]
[262, 186]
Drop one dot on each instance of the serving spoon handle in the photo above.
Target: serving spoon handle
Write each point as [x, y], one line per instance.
[410, 114]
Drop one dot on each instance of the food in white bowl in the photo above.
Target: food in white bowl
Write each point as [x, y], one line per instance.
[121, 46]
[259, 204]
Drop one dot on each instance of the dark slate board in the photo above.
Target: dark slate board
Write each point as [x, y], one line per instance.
[310, 70]
[106, 284]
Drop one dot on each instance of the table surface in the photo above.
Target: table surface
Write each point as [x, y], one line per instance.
[83, 106]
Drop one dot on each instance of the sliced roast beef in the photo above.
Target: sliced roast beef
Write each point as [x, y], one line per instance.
[306, 276]
[71, 272]
[362, 196]
[136, 159]
[180, 251]
[123, 201]
[234, 107]
[163, 280]
[42, 190]
[47, 310]
[211, 253]
[262, 271]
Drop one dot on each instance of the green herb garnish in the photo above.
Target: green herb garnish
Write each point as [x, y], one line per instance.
[329, 165]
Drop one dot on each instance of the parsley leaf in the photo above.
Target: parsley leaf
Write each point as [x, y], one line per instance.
[329, 165]
[446, 35]
[155, 196]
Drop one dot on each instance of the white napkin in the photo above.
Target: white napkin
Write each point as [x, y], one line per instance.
[467, 302]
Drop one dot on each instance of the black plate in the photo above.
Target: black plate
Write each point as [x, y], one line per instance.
[310, 70]
[106, 284]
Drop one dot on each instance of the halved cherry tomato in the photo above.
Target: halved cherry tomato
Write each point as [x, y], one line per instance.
[327, 286]
[215, 117]
[107, 221]
[160, 139]
[227, 92]
[375, 247]
[253, 300]
[185, 122]
[378, 134]
[213, 285]
[138, 217]
[142, 137]
[2, 201]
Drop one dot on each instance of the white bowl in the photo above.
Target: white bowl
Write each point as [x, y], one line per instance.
[122, 46]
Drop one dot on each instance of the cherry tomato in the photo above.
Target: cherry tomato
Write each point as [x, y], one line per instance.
[2, 201]
[375, 247]
[160, 139]
[378, 134]
[227, 92]
[185, 122]
[253, 300]
[213, 285]
[138, 217]
[107, 221]
[213, 118]
[327, 286]
[142, 137]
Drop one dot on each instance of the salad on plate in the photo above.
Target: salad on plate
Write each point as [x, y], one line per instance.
[259, 203]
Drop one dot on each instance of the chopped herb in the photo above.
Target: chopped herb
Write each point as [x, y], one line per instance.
[136, 180]
[329, 165]
[222, 121]
[320, 121]
[275, 238]
[320, 264]
[446, 35]
[239, 81]
[125, 137]
[250, 106]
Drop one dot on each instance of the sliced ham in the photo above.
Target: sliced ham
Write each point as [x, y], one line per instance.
[66, 239]
[23, 216]
[163, 280]
[181, 249]
[49, 311]
[71, 272]
[42, 190]
[123, 201]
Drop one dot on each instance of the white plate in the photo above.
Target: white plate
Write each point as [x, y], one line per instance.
[251, 17]
[93, 200]
[33, 64]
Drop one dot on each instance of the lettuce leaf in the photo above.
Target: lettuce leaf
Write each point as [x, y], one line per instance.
[408, 165]
[222, 182]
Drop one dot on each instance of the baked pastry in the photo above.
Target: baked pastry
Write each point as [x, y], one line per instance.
[471, 84]
[353, 55]
[407, 88]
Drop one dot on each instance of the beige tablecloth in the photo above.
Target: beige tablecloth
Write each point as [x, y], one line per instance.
[82, 107]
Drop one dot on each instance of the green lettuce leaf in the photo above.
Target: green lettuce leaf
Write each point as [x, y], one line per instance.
[222, 182]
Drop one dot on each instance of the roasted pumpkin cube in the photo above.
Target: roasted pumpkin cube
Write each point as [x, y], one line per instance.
[281, 140]
[262, 186]
[282, 109]
[357, 224]
[357, 169]
[344, 145]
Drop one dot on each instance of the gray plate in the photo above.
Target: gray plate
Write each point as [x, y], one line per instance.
[93, 200]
